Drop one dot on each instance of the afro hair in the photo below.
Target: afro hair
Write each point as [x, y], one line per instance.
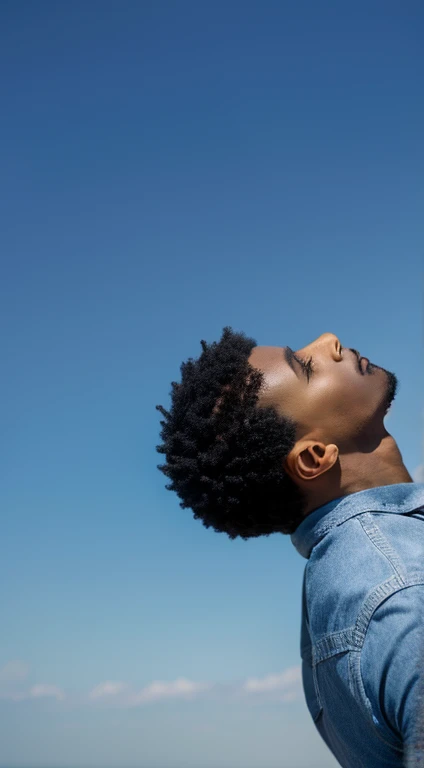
[224, 455]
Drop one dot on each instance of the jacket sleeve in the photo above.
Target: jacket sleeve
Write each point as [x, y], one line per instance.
[392, 666]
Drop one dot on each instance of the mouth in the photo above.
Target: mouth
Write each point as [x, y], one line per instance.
[362, 363]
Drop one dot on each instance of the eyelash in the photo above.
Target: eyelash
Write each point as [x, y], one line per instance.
[308, 365]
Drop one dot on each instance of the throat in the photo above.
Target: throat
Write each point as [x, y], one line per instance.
[358, 471]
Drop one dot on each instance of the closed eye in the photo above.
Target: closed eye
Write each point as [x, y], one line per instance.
[307, 365]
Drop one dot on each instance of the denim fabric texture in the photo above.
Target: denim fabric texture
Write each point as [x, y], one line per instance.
[362, 633]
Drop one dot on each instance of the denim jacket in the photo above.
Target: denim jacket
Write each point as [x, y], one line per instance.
[362, 634]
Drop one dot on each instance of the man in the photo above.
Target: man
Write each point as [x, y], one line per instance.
[261, 440]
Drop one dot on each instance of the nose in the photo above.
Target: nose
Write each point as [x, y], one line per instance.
[327, 343]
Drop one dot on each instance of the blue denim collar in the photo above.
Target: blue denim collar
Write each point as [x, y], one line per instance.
[400, 498]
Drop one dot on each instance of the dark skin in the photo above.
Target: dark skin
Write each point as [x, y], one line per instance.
[342, 445]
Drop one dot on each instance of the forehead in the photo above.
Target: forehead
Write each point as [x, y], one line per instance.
[271, 361]
[267, 358]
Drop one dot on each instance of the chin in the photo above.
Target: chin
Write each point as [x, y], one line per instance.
[392, 385]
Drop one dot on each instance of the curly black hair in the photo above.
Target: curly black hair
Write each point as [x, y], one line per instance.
[224, 454]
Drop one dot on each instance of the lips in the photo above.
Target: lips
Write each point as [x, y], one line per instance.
[364, 362]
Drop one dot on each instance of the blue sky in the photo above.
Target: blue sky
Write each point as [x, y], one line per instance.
[169, 169]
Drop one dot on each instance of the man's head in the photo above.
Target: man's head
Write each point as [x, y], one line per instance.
[255, 433]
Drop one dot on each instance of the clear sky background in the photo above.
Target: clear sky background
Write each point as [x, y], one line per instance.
[169, 168]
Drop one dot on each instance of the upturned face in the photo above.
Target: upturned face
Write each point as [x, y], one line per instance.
[329, 391]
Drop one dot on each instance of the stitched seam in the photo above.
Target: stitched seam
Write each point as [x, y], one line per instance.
[417, 581]
[357, 689]
[379, 541]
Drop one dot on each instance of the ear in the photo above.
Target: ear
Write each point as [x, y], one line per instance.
[309, 459]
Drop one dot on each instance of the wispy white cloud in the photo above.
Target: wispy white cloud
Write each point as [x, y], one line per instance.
[39, 691]
[12, 684]
[109, 688]
[286, 686]
[180, 688]
[45, 689]
[122, 694]
[14, 672]
[289, 679]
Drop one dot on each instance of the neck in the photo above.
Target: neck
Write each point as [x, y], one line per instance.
[359, 470]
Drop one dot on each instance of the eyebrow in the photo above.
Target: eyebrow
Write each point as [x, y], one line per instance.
[289, 357]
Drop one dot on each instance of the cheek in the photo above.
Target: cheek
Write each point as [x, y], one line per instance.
[341, 396]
